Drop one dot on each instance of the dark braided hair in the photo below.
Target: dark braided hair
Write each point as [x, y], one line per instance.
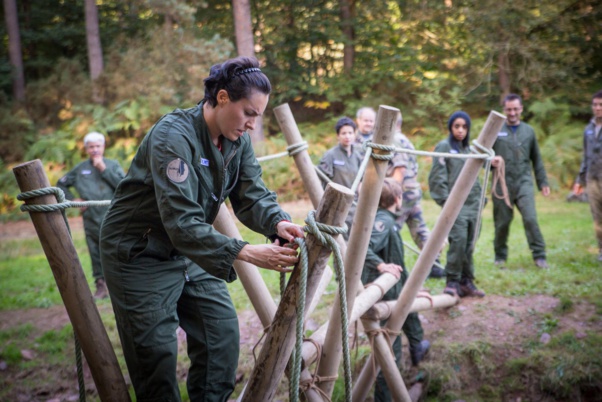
[239, 77]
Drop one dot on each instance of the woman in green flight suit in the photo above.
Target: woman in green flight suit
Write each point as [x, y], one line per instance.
[444, 173]
[164, 264]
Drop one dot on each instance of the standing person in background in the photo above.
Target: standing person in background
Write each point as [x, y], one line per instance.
[404, 168]
[590, 174]
[165, 264]
[385, 254]
[442, 177]
[94, 179]
[366, 118]
[517, 145]
[342, 162]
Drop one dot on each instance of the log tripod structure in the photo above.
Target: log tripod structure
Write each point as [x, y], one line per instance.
[71, 282]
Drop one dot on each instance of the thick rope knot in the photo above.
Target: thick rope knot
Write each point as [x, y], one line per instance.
[61, 204]
[296, 148]
[385, 157]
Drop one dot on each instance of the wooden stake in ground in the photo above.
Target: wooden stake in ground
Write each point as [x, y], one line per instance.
[357, 246]
[280, 339]
[427, 257]
[71, 282]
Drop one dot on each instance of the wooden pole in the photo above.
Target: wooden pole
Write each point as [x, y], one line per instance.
[446, 219]
[357, 245]
[382, 310]
[386, 360]
[310, 178]
[280, 339]
[73, 287]
[314, 189]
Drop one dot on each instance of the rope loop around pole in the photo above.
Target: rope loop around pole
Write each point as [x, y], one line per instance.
[61, 204]
[385, 157]
[294, 149]
[324, 235]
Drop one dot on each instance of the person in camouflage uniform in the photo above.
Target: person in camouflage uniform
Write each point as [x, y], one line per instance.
[385, 254]
[165, 264]
[365, 118]
[590, 173]
[404, 168]
[94, 179]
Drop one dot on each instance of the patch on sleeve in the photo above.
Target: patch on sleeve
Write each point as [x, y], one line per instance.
[379, 226]
[177, 170]
[442, 161]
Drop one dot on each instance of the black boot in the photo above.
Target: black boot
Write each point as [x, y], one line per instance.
[418, 352]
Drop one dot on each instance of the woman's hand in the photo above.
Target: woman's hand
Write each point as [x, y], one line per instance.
[393, 269]
[270, 256]
[289, 231]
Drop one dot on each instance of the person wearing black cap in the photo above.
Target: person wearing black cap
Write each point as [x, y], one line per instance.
[444, 173]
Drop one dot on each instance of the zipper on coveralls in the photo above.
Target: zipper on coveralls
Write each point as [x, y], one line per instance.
[186, 275]
[221, 191]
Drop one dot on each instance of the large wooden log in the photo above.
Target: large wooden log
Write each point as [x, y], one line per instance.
[357, 245]
[280, 339]
[73, 287]
[446, 219]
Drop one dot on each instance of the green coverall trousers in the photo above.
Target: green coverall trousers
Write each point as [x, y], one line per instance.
[524, 199]
[150, 301]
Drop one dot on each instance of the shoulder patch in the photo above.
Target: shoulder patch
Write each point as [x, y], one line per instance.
[442, 161]
[379, 226]
[177, 170]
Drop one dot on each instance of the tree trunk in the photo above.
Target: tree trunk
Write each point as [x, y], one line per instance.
[243, 30]
[14, 49]
[503, 73]
[94, 48]
[347, 16]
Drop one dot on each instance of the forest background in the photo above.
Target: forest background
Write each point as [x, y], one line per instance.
[72, 66]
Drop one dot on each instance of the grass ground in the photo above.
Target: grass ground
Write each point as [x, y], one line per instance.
[490, 349]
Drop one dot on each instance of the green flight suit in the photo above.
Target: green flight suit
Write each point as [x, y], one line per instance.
[386, 246]
[166, 266]
[442, 177]
[521, 154]
[342, 168]
[92, 185]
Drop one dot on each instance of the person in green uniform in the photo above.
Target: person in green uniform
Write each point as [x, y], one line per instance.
[94, 179]
[590, 173]
[165, 265]
[342, 162]
[385, 254]
[517, 145]
[444, 172]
